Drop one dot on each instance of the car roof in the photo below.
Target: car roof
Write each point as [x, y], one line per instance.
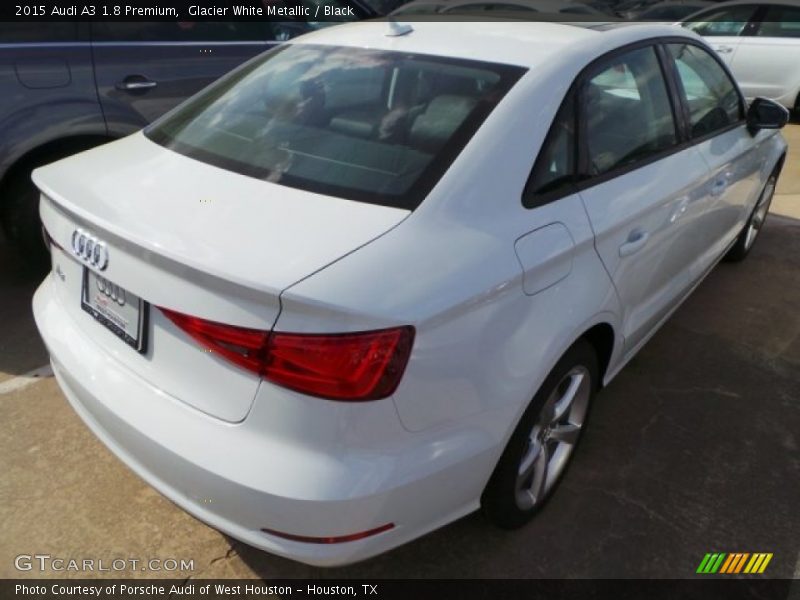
[521, 43]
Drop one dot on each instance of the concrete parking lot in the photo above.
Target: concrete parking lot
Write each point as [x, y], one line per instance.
[694, 448]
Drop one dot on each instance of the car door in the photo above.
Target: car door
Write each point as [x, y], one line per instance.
[715, 117]
[641, 186]
[723, 27]
[768, 62]
[143, 69]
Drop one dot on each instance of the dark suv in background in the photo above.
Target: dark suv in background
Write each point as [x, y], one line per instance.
[66, 87]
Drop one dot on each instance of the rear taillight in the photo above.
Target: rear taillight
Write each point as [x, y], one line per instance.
[358, 366]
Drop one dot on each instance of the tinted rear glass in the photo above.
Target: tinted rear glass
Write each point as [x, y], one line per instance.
[366, 125]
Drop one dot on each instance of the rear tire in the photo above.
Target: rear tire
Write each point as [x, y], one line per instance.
[21, 222]
[749, 234]
[544, 441]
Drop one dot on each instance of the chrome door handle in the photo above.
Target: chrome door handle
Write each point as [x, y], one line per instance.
[133, 85]
[723, 49]
[636, 241]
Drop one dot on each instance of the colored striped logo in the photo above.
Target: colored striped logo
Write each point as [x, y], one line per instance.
[735, 562]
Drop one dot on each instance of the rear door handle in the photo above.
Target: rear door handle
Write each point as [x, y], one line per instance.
[723, 49]
[720, 185]
[637, 240]
[136, 82]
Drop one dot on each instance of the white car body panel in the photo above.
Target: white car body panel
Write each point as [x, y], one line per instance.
[496, 292]
[769, 67]
[642, 223]
[726, 46]
[764, 66]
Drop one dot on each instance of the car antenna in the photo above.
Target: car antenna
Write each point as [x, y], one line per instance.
[397, 29]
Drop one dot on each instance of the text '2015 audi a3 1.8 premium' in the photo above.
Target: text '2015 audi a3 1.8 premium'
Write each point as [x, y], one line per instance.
[371, 280]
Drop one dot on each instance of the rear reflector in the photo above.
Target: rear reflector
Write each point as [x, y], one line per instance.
[358, 366]
[330, 540]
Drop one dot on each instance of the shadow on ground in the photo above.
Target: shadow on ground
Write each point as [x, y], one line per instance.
[21, 348]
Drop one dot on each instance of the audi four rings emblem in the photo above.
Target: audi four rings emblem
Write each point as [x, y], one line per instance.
[116, 293]
[89, 249]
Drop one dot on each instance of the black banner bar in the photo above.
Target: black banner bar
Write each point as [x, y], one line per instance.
[712, 588]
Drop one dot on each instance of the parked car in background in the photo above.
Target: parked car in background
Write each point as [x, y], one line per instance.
[553, 7]
[68, 86]
[760, 42]
[670, 11]
[478, 8]
[368, 283]
[633, 9]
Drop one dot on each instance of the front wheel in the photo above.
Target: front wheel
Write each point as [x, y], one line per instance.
[747, 237]
[544, 441]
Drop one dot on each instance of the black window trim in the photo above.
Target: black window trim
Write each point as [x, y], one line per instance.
[754, 24]
[680, 112]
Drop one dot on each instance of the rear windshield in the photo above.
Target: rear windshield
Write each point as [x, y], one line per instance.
[366, 125]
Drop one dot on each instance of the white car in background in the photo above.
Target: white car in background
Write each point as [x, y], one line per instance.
[371, 280]
[548, 8]
[760, 42]
[670, 11]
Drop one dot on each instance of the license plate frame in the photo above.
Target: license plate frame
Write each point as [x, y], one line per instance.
[101, 301]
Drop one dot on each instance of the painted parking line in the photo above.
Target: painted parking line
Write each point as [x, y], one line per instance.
[26, 379]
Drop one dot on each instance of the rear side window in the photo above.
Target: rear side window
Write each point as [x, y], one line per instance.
[780, 21]
[28, 32]
[554, 169]
[710, 94]
[723, 22]
[627, 112]
[182, 31]
[367, 125]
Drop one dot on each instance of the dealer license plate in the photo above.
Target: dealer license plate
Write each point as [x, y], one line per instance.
[122, 313]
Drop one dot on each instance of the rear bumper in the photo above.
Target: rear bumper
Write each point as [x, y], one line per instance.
[351, 472]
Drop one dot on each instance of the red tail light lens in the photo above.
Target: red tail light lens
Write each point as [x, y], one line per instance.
[352, 366]
[348, 366]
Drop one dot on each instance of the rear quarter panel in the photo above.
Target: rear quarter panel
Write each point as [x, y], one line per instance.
[483, 346]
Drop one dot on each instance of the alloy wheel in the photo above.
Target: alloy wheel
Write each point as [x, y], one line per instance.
[553, 438]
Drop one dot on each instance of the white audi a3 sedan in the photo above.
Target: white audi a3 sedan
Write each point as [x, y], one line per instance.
[371, 280]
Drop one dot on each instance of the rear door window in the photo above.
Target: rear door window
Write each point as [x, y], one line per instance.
[182, 31]
[27, 32]
[626, 112]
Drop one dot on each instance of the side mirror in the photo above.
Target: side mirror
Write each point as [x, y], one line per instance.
[766, 114]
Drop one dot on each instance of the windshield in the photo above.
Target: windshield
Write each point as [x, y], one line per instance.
[366, 125]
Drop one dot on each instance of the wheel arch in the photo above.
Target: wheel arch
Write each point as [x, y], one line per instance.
[602, 338]
[58, 147]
